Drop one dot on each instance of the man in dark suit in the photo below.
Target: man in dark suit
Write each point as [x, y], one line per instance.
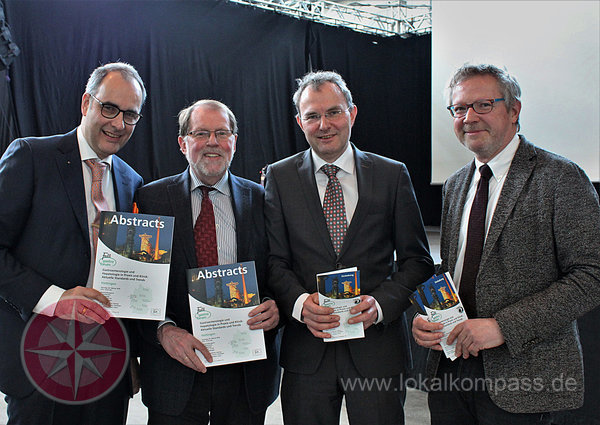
[539, 267]
[176, 386]
[382, 218]
[46, 236]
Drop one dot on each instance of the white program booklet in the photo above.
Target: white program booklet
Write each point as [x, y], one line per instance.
[438, 299]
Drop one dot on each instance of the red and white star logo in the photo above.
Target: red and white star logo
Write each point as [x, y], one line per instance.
[73, 362]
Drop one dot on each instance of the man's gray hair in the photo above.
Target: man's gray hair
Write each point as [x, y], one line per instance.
[315, 80]
[127, 71]
[186, 113]
[508, 85]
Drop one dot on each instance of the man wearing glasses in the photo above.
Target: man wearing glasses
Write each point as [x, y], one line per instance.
[330, 207]
[49, 210]
[521, 238]
[207, 201]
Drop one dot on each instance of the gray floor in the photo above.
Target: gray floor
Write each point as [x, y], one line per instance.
[416, 410]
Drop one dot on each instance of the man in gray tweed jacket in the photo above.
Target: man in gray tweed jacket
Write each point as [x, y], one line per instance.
[519, 355]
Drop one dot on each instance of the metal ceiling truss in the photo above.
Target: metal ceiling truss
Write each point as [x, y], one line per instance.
[400, 18]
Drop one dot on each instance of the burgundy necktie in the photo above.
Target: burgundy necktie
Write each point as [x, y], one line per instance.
[205, 232]
[475, 238]
[98, 198]
[334, 208]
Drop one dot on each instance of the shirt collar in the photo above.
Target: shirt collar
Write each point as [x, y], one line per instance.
[501, 162]
[221, 186]
[86, 152]
[345, 161]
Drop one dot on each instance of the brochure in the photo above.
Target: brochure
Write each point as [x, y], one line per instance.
[438, 299]
[133, 258]
[220, 299]
[340, 289]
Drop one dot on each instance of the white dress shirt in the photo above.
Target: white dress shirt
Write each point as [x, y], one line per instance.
[346, 175]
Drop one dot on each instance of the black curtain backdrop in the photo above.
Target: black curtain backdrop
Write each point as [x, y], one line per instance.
[245, 57]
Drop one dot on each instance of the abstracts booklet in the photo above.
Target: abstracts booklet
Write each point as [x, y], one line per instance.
[220, 299]
[133, 258]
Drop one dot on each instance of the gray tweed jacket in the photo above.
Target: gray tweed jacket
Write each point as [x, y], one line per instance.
[540, 271]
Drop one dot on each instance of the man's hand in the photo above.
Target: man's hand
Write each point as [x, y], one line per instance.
[264, 316]
[475, 335]
[180, 344]
[79, 304]
[367, 310]
[427, 334]
[318, 318]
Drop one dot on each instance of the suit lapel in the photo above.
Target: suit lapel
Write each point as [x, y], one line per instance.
[68, 161]
[364, 177]
[122, 186]
[308, 186]
[181, 207]
[519, 172]
[240, 200]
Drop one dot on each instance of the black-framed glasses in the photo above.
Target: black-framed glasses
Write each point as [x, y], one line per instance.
[482, 106]
[204, 135]
[330, 115]
[110, 111]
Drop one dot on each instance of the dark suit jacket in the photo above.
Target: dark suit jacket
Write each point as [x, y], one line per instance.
[386, 219]
[44, 236]
[540, 270]
[166, 383]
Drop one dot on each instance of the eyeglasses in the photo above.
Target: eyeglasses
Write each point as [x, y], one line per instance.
[482, 106]
[204, 135]
[331, 115]
[110, 111]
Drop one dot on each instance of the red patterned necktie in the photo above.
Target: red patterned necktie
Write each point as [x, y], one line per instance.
[205, 232]
[98, 198]
[475, 238]
[334, 208]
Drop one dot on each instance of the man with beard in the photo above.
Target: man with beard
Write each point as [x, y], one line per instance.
[48, 215]
[520, 234]
[177, 387]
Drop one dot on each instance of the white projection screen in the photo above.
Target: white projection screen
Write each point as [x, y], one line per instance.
[551, 47]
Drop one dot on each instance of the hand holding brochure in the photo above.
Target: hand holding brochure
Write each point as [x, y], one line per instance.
[438, 299]
[220, 299]
[340, 289]
[133, 258]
